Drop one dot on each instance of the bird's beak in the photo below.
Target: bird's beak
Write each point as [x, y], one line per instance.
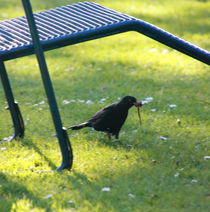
[138, 104]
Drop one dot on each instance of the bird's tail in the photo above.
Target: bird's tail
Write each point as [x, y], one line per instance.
[79, 126]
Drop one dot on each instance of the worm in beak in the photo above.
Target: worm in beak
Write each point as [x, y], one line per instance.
[138, 105]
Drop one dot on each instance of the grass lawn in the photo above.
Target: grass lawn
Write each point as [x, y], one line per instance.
[160, 166]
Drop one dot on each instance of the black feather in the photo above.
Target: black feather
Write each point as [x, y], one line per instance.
[111, 118]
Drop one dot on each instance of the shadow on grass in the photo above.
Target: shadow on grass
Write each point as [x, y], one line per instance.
[135, 188]
[116, 196]
[31, 145]
[12, 192]
[138, 189]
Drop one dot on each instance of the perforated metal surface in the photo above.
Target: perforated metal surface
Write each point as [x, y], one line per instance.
[58, 22]
[81, 22]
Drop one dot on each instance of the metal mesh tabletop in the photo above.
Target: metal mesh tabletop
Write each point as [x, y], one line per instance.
[80, 22]
[55, 25]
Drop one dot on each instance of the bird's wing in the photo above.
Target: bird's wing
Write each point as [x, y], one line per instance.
[103, 113]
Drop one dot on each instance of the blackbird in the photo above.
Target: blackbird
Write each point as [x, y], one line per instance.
[111, 118]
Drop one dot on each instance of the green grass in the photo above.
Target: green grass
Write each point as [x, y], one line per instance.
[143, 172]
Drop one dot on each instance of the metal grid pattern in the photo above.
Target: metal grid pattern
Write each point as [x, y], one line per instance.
[58, 22]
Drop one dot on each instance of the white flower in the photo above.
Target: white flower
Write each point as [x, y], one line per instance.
[40, 103]
[172, 106]
[5, 139]
[65, 102]
[194, 181]
[149, 99]
[163, 138]
[102, 100]
[206, 157]
[165, 51]
[81, 101]
[89, 102]
[131, 195]
[153, 110]
[144, 102]
[70, 201]
[176, 175]
[153, 50]
[106, 189]
[48, 196]
[3, 148]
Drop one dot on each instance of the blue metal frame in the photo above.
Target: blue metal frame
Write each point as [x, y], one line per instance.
[65, 146]
[140, 26]
[12, 105]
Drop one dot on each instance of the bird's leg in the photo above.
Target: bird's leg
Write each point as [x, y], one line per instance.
[109, 136]
[117, 135]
